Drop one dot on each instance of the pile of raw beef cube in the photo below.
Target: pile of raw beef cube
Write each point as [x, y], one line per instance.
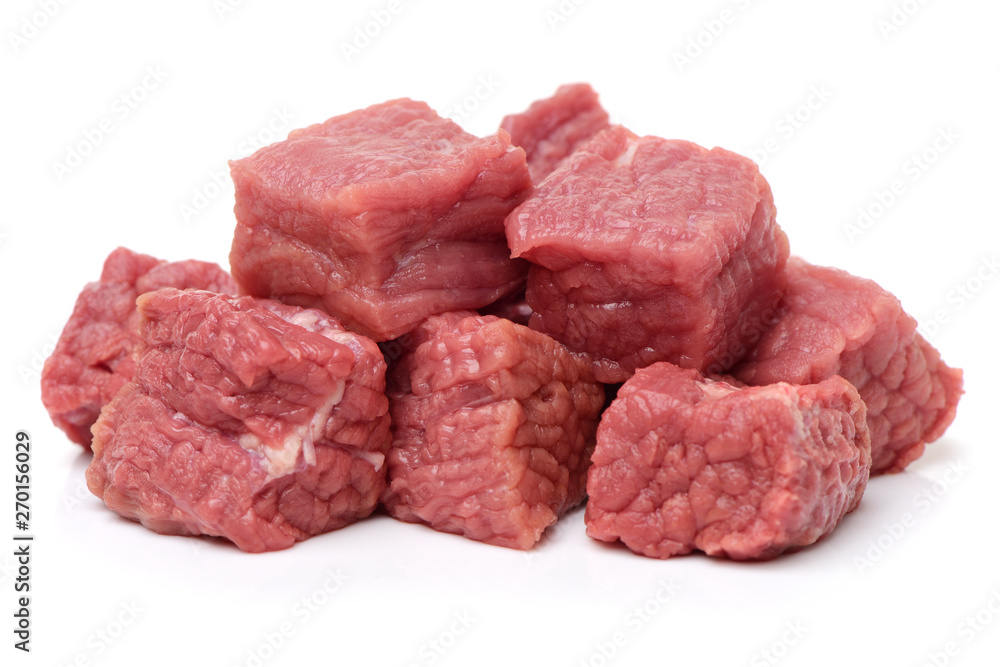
[478, 334]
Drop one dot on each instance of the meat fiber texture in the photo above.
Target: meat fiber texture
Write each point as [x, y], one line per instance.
[381, 217]
[831, 322]
[493, 425]
[646, 249]
[92, 359]
[247, 419]
[683, 463]
[552, 128]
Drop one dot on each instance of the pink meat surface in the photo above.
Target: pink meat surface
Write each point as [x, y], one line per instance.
[514, 308]
[831, 322]
[93, 358]
[381, 217]
[247, 419]
[552, 128]
[684, 463]
[646, 250]
[493, 425]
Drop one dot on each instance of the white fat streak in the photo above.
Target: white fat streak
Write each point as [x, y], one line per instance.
[282, 459]
[712, 389]
[377, 459]
[306, 319]
[625, 159]
[317, 425]
[310, 321]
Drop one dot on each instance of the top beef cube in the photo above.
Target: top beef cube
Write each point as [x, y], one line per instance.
[646, 249]
[551, 129]
[381, 217]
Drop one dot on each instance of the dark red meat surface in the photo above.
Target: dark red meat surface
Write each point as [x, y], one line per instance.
[831, 322]
[645, 249]
[247, 419]
[552, 128]
[93, 357]
[493, 425]
[684, 463]
[381, 217]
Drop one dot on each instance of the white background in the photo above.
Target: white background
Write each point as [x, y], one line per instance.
[864, 100]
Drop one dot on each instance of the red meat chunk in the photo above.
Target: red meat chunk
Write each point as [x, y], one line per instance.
[381, 217]
[247, 419]
[683, 462]
[551, 129]
[93, 357]
[493, 425]
[831, 322]
[646, 250]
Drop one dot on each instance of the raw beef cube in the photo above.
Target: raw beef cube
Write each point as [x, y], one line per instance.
[831, 322]
[247, 419]
[93, 358]
[645, 250]
[683, 462]
[493, 425]
[381, 217]
[550, 129]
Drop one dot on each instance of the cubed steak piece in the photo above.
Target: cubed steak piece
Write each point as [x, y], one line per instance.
[552, 128]
[92, 359]
[647, 249]
[493, 425]
[831, 322]
[247, 419]
[381, 217]
[684, 462]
